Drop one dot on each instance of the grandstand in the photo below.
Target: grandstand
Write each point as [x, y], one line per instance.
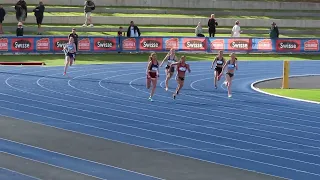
[173, 18]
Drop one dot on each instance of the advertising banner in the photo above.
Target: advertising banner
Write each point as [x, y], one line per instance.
[150, 44]
[285, 45]
[129, 44]
[104, 44]
[22, 44]
[92, 44]
[4, 44]
[193, 44]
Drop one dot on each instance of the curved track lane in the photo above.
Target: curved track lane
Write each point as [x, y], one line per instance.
[252, 131]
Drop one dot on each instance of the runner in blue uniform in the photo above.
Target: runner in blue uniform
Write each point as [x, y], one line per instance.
[171, 58]
[69, 50]
[152, 73]
[231, 66]
[219, 61]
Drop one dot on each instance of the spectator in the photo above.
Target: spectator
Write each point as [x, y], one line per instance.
[75, 40]
[120, 34]
[274, 31]
[19, 29]
[212, 23]
[21, 11]
[89, 6]
[133, 30]
[198, 30]
[2, 15]
[38, 13]
[236, 30]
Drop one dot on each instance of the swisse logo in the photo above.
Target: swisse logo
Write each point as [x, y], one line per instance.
[239, 45]
[194, 44]
[61, 44]
[104, 44]
[288, 45]
[150, 44]
[22, 44]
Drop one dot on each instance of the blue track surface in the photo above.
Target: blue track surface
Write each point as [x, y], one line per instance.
[251, 131]
[12, 175]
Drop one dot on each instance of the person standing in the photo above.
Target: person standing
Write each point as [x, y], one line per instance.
[21, 11]
[89, 6]
[133, 30]
[38, 13]
[212, 24]
[75, 38]
[274, 31]
[2, 15]
[236, 30]
[19, 31]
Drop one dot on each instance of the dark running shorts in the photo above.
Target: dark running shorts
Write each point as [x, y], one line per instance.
[153, 74]
[171, 70]
[71, 55]
[218, 69]
[230, 75]
[181, 78]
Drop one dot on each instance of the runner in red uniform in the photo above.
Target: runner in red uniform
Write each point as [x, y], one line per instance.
[182, 67]
[152, 72]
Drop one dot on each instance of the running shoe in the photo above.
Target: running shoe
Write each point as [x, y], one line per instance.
[174, 96]
[150, 99]
[229, 95]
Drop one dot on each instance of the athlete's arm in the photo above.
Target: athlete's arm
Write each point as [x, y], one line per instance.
[214, 61]
[148, 68]
[158, 74]
[174, 64]
[188, 67]
[236, 63]
[164, 59]
[224, 66]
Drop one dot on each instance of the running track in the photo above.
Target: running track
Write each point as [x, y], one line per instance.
[250, 131]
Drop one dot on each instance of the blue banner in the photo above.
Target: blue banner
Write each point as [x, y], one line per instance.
[104, 44]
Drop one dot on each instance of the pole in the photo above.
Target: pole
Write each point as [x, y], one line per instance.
[285, 78]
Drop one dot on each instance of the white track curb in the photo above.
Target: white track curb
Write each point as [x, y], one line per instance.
[274, 78]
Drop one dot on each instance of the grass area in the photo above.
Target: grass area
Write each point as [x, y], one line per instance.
[164, 34]
[158, 26]
[173, 8]
[58, 60]
[168, 15]
[305, 94]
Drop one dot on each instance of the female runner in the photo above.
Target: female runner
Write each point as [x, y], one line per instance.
[182, 67]
[171, 58]
[219, 61]
[69, 50]
[231, 66]
[152, 74]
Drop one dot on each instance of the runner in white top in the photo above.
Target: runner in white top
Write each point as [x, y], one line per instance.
[236, 30]
[171, 58]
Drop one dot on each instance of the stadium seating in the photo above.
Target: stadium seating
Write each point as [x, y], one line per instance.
[151, 16]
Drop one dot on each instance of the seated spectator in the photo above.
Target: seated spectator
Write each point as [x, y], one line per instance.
[133, 30]
[19, 29]
[89, 6]
[38, 13]
[274, 31]
[2, 15]
[199, 31]
[21, 11]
